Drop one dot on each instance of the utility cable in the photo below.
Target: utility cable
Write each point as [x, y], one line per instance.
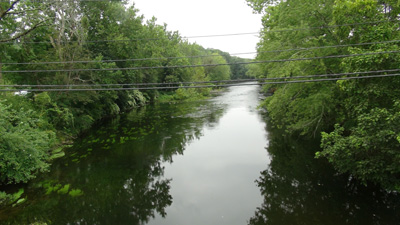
[124, 60]
[202, 65]
[209, 36]
[203, 86]
[331, 26]
[202, 56]
[202, 82]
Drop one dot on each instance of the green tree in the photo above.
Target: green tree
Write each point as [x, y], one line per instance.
[216, 72]
[299, 189]
[364, 141]
[19, 18]
[24, 144]
[110, 38]
[301, 108]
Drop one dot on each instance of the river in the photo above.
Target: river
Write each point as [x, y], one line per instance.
[216, 161]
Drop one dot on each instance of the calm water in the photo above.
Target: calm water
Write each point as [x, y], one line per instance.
[208, 162]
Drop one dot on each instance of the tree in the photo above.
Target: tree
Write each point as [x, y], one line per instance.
[365, 140]
[216, 72]
[24, 144]
[19, 18]
[301, 108]
[358, 118]
[299, 189]
[74, 37]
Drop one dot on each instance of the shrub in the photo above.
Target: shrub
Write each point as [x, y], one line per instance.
[24, 145]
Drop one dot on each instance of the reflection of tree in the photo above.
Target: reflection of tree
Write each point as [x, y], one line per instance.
[299, 189]
[119, 169]
[130, 194]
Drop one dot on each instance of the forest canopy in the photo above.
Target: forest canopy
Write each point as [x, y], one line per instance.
[90, 45]
[357, 119]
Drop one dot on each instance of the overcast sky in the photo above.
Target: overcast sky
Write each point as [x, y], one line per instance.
[207, 17]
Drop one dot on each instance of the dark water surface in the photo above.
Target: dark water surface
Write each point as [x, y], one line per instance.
[208, 162]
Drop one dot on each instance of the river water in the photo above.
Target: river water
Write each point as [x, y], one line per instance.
[216, 161]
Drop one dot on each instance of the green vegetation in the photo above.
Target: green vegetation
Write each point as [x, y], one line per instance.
[299, 189]
[12, 199]
[24, 143]
[358, 119]
[87, 43]
[119, 177]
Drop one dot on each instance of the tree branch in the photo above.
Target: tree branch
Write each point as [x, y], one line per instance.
[3, 14]
[25, 33]
[25, 11]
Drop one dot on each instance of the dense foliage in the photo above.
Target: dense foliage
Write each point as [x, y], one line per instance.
[121, 168]
[86, 43]
[24, 143]
[358, 119]
[299, 189]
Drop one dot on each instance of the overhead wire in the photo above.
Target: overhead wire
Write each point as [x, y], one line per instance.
[131, 40]
[204, 82]
[122, 60]
[199, 56]
[332, 26]
[286, 81]
[201, 65]
[206, 36]
[202, 86]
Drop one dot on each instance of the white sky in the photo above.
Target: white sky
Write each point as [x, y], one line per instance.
[207, 17]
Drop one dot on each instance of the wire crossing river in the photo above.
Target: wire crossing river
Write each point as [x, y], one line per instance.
[207, 162]
[188, 163]
[213, 181]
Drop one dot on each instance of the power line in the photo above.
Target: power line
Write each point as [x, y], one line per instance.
[331, 26]
[124, 60]
[202, 82]
[330, 46]
[209, 36]
[203, 86]
[334, 79]
[202, 56]
[129, 84]
[131, 40]
[201, 65]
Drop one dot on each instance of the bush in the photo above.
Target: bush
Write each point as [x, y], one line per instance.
[370, 150]
[24, 144]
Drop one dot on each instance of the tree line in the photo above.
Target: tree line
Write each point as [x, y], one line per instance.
[73, 36]
[358, 121]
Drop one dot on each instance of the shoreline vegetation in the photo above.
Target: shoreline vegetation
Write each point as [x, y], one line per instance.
[356, 120]
[68, 37]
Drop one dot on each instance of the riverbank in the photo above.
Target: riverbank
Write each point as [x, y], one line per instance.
[40, 128]
[194, 162]
[125, 155]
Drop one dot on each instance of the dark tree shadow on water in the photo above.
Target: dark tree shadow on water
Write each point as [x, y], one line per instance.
[114, 175]
[299, 189]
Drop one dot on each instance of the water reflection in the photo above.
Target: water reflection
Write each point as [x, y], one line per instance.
[114, 174]
[213, 183]
[299, 189]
